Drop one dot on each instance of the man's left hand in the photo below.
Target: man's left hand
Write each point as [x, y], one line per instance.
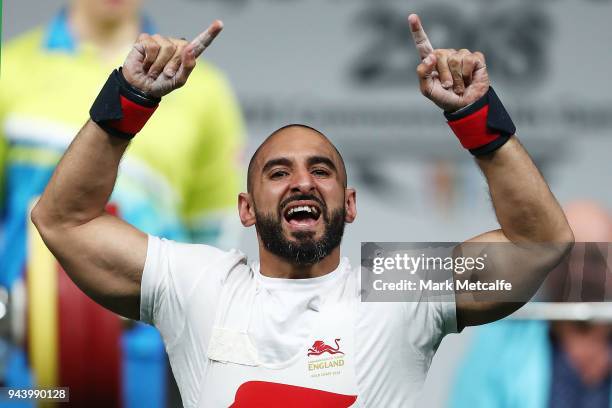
[451, 79]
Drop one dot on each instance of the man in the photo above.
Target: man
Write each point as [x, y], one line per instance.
[169, 184]
[289, 330]
[555, 364]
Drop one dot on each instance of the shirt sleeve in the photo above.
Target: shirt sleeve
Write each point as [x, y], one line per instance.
[216, 175]
[447, 315]
[430, 321]
[440, 309]
[172, 270]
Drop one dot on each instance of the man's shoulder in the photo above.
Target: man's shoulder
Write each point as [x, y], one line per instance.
[197, 257]
[186, 250]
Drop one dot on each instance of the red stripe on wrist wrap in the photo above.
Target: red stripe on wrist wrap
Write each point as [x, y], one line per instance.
[135, 116]
[472, 131]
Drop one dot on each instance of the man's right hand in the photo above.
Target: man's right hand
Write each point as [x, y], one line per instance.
[158, 65]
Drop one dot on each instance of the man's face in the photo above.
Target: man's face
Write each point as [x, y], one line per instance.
[299, 196]
[110, 11]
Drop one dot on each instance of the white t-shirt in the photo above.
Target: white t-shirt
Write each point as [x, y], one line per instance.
[209, 304]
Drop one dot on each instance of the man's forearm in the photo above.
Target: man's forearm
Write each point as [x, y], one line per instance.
[83, 181]
[526, 209]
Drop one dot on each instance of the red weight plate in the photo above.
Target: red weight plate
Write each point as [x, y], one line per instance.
[90, 354]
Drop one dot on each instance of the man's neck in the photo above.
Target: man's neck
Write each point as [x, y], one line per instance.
[274, 266]
[111, 38]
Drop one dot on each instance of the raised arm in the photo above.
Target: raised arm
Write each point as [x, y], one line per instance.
[102, 254]
[533, 225]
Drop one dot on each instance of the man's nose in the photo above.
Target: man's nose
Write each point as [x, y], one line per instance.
[302, 182]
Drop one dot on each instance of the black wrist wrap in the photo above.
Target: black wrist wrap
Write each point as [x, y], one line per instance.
[484, 126]
[120, 109]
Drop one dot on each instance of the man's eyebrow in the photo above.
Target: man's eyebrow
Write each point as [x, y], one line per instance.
[321, 160]
[281, 161]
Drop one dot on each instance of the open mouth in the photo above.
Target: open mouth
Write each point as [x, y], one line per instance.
[302, 215]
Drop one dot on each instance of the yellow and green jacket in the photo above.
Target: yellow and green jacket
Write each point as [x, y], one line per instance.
[180, 176]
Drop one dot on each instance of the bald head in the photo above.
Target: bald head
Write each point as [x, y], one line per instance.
[589, 221]
[292, 130]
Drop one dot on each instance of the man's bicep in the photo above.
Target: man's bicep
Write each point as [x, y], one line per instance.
[520, 266]
[105, 258]
[471, 312]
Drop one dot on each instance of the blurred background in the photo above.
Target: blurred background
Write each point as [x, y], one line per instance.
[347, 67]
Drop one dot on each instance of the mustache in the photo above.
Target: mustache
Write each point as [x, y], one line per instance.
[302, 197]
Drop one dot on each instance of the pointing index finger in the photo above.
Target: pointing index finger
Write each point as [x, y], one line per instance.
[203, 40]
[420, 37]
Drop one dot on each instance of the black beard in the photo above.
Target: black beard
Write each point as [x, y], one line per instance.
[307, 250]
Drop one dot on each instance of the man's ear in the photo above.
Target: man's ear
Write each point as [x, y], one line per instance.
[246, 210]
[350, 205]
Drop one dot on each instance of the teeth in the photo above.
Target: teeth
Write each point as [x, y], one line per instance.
[306, 208]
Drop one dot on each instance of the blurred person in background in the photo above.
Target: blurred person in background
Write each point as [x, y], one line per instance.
[555, 364]
[179, 178]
